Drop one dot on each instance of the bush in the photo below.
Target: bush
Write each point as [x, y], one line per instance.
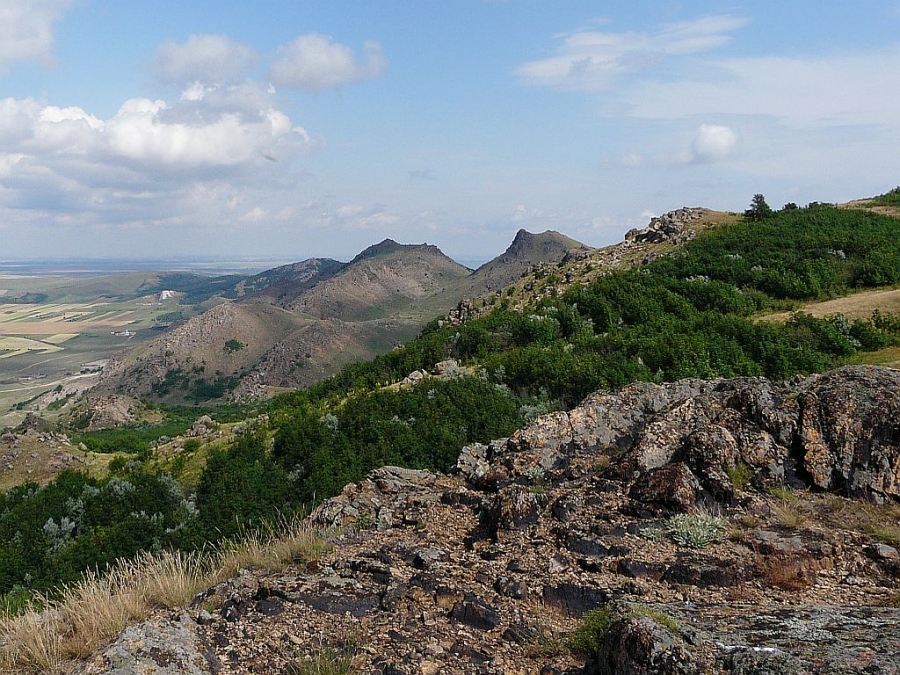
[696, 530]
[588, 635]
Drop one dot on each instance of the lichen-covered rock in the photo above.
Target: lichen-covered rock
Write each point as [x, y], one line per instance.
[849, 431]
[672, 487]
[159, 647]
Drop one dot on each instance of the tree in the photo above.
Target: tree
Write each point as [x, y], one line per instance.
[758, 210]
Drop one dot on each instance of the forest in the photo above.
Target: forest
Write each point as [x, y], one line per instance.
[694, 313]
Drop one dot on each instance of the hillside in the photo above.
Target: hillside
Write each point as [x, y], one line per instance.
[386, 279]
[203, 357]
[728, 526]
[578, 265]
[324, 314]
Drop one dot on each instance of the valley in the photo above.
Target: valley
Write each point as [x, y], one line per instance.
[51, 352]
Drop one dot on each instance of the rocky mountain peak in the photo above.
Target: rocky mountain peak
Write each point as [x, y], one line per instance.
[537, 248]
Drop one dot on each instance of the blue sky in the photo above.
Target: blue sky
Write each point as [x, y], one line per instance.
[292, 129]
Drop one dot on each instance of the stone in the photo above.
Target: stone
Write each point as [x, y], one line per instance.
[639, 645]
[672, 486]
[475, 613]
[883, 552]
[159, 647]
[429, 558]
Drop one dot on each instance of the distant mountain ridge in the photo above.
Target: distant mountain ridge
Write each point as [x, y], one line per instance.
[296, 324]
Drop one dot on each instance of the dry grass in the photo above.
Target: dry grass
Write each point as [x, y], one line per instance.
[789, 514]
[287, 541]
[854, 306]
[88, 614]
[789, 573]
[879, 521]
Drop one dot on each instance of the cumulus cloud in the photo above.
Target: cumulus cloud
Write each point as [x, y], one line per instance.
[206, 59]
[148, 133]
[713, 142]
[592, 60]
[26, 29]
[315, 62]
[140, 131]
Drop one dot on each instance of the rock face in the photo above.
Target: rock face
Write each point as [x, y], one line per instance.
[676, 444]
[490, 569]
[669, 227]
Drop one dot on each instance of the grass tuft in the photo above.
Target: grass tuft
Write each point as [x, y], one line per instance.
[585, 640]
[89, 613]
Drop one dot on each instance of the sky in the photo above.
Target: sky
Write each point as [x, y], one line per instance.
[291, 128]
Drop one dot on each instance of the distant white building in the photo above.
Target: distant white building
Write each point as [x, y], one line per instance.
[166, 295]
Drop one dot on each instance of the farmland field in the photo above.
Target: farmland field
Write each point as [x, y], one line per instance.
[52, 350]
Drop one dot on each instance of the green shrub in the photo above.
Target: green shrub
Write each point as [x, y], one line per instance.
[696, 530]
[192, 445]
[741, 475]
[589, 634]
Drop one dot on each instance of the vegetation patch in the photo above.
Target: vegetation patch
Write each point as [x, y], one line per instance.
[587, 637]
[891, 198]
[696, 530]
[234, 346]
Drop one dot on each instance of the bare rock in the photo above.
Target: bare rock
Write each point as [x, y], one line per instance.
[673, 487]
[158, 647]
[640, 646]
[849, 431]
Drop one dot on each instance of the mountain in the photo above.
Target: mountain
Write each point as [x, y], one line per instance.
[283, 284]
[384, 280]
[297, 324]
[526, 251]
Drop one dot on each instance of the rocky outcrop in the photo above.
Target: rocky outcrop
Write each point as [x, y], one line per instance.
[158, 647]
[490, 569]
[670, 227]
[837, 432]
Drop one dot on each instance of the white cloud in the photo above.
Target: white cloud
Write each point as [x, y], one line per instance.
[592, 60]
[142, 131]
[255, 215]
[207, 59]
[26, 29]
[315, 62]
[838, 89]
[150, 134]
[713, 143]
[145, 167]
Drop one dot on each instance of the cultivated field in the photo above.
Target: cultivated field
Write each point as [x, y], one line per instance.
[53, 350]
